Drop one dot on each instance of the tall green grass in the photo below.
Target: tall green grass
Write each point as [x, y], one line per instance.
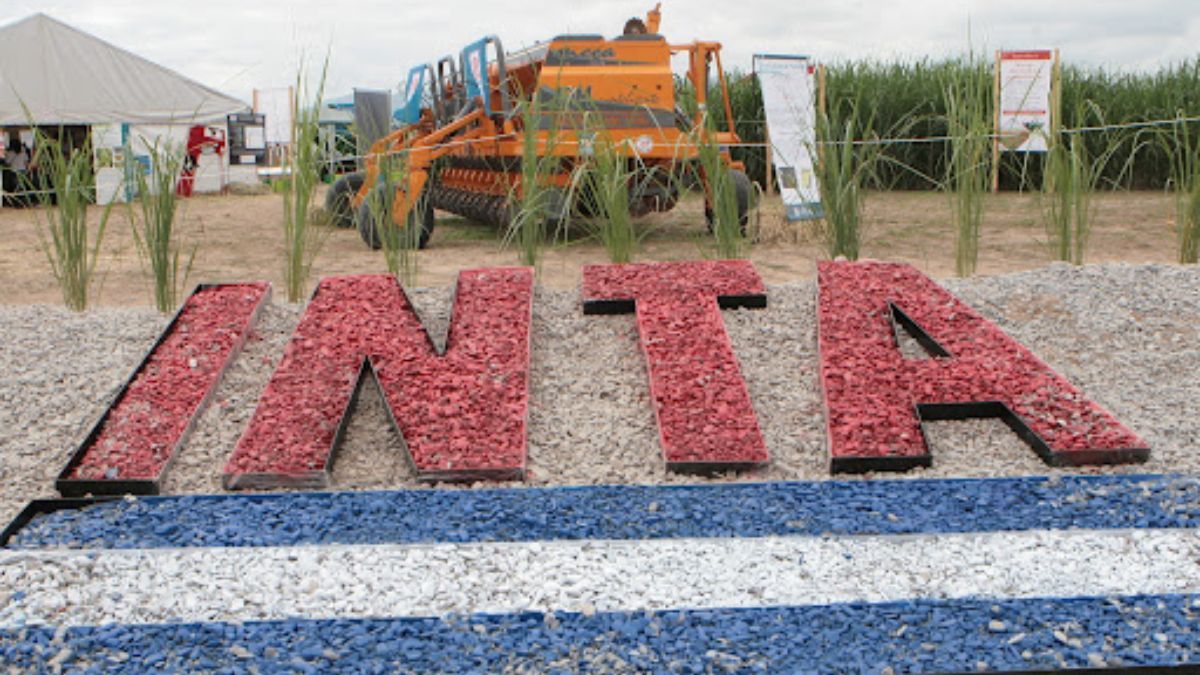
[1125, 97]
[399, 245]
[745, 94]
[1073, 173]
[153, 224]
[909, 93]
[71, 245]
[535, 206]
[1179, 143]
[966, 95]
[842, 165]
[1067, 198]
[606, 179]
[729, 239]
[301, 239]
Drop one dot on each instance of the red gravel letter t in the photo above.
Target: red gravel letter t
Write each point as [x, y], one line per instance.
[705, 420]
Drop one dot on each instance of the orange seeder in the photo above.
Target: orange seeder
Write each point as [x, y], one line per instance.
[469, 122]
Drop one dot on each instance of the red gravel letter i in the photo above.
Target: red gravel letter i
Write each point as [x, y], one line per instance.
[136, 438]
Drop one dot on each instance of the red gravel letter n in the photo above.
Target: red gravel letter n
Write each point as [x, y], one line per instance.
[876, 399]
[462, 414]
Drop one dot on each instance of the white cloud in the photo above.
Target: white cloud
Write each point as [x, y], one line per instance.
[238, 45]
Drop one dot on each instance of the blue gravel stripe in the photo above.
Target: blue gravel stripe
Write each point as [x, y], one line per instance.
[626, 512]
[925, 636]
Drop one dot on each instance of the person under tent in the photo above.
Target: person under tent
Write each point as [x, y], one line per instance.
[16, 167]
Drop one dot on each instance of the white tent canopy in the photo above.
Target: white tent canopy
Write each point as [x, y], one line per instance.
[51, 73]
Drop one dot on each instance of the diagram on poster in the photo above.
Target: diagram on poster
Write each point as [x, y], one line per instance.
[1025, 90]
[789, 91]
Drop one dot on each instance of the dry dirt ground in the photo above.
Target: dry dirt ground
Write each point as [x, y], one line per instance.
[238, 238]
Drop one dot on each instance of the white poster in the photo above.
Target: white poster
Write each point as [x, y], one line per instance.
[789, 92]
[107, 136]
[254, 137]
[276, 104]
[1025, 89]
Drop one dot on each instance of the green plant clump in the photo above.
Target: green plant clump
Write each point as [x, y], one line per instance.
[1072, 174]
[726, 217]
[400, 245]
[967, 95]
[842, 164]
[606, 186]
[1180, 144]
[71, 245]
[154, 223]
[301, 239]
[536, 203]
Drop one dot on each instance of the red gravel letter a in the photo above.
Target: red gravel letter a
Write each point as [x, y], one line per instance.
[462, 414]
[705, 420]
[876, 399]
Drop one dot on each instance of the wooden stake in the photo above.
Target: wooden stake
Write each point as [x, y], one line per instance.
[996, 124]
[769, 188]
[820, 105]
[821, 88]
[770, 160]
[1056, 95]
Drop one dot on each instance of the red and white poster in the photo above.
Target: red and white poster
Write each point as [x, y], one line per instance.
[1024, 99]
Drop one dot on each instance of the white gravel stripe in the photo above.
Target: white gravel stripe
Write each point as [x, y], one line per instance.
[241, 584]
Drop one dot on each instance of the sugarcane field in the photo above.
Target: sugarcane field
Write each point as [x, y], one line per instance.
[624, 338]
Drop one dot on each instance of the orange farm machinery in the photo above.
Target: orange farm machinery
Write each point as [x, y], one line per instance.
[469, 124]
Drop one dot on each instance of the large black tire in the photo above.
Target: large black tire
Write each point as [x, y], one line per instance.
[741, 190]
[656, 190]
[364, 219]
[339, 200]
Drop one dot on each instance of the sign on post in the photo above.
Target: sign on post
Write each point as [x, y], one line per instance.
[1026, 82]
[277, 105]
[790, 90]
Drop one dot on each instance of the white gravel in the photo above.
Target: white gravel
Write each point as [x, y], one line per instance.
[58, 371]
[245, 584]
[1127, 335]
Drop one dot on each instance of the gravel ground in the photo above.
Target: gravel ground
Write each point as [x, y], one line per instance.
[616, 512]
[260, 584]
[1125, 334]
[907, 636]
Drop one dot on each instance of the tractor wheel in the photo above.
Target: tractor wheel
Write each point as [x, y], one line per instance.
[365, 219]
[741, 190]
[339, 200]
[653, 191]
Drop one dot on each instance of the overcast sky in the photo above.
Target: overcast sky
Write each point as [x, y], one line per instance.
[239, 45]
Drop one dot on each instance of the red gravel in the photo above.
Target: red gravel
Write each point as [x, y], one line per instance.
[462, 415]
[643, 280]
[871, 389]
[705, 419]
[150, 420]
